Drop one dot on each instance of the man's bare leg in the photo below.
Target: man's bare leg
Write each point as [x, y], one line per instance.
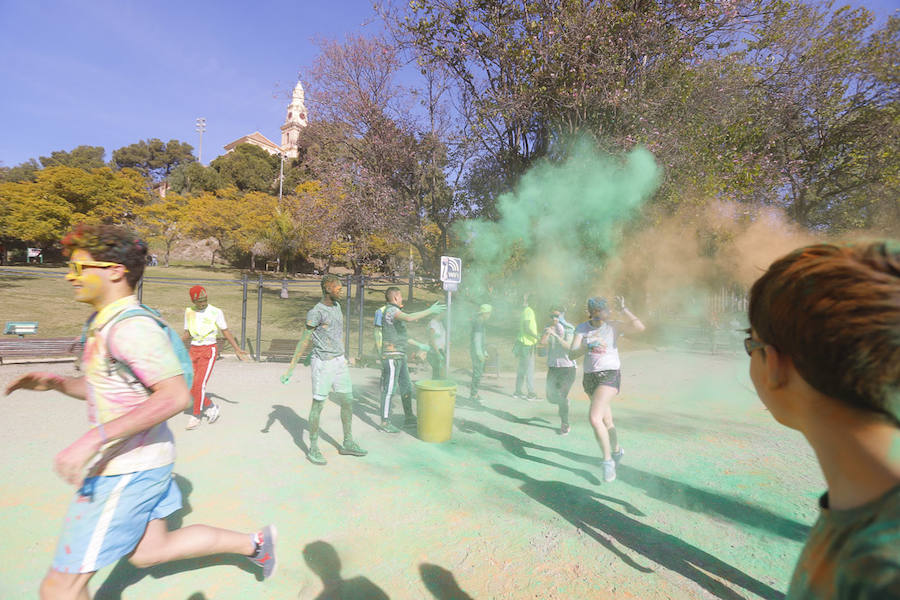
[159, 545]
[65, 586]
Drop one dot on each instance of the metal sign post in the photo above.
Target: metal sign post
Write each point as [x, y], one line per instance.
[451, 275]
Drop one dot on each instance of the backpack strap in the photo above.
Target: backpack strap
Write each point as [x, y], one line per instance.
[126, 313]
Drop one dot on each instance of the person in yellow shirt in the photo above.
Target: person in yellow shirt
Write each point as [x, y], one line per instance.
[524, 351]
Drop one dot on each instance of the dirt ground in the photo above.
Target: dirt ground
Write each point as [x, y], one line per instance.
[713, 498]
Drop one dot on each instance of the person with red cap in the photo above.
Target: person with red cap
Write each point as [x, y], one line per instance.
[202, 322]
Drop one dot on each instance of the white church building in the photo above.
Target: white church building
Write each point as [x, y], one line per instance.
[294, 122]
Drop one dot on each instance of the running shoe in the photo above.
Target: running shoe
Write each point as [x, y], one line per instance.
[618, 454]
[388, 427]
[565, 429]
[212, 413]
[315, 457]
[193, 422]
[609, 470]
[351, 448]
[532, 398]
[519, 396]
[264, 556]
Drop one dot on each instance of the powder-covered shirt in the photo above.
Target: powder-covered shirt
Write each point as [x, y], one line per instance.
[851, 554]
[557, 354]
[394, 332]
[476, 345]
[438, 333]
[327, 323]
[527, 328]
[203, 325]
[602, 352]
[142, 344]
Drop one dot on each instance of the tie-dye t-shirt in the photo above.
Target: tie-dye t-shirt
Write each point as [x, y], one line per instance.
[851, 554]
[142, 344]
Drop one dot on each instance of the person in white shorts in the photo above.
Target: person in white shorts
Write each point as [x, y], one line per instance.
[325, 332]
[122, 467]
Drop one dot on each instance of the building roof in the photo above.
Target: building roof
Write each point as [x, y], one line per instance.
[257, 139]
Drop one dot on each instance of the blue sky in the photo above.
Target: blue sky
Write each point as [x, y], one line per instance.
[109, 73]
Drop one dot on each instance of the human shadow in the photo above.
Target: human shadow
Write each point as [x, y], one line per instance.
[323, 560]
[587, 511]
[124, 574]
[221, 398]
[519, 448]
[295, 425]
[441, 583]
[693, 498]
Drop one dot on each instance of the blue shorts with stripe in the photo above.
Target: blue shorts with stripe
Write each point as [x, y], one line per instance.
[109, 515]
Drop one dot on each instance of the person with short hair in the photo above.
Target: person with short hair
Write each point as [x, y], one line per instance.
[478, 349]
[202, 322]
[824, 347]
[330, 372]
[122, 466]
[558, 337]
[394, 369]
[597, 338]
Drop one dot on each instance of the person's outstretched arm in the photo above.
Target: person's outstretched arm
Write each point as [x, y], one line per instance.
[40, 381]
[237, 349]
[300, 350]
[435, 309]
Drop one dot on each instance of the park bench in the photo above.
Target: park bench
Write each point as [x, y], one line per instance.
[20, 328]
[36, 349]
[281, 350]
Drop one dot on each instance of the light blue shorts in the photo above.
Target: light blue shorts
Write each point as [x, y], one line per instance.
[109, 515]
[330, 375]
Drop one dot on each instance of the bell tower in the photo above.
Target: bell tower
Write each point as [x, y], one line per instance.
[295, 120]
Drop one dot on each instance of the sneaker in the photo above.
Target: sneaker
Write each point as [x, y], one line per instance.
[315, 457]
[618, 454]
[609, 470]
[351, 448]
[265, 550]
[388, 427]
[193, 422]
[565, 429]
[532, 398]
[519, 396]
[212, 413]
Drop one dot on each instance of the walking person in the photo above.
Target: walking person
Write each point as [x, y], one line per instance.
[330, 373]
[558, 337]
[202, 322]
[597, 339]
[478, 349]
[394, 368]
[133, 383]
[524, 350]
[824, 347]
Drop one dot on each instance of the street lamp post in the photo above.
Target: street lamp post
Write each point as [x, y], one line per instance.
[280, 177]
[201, 127]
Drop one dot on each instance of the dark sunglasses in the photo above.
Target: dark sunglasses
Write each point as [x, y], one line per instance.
[750, 345]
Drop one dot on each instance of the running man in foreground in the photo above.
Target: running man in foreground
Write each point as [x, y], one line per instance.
[394, 369]
[824, 350]
[201, 324]
[325, 332]
[122, 466]
[597, 339]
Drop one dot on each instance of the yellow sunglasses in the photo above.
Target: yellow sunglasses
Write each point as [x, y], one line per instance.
[77, 266]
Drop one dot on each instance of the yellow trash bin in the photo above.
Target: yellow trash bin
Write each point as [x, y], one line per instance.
[435, 399]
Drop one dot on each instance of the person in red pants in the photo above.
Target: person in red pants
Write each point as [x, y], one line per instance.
[202, 322]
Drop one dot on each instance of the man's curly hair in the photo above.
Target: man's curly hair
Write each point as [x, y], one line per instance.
[110, 243]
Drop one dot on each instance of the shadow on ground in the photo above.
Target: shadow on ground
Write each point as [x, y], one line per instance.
[587, 510]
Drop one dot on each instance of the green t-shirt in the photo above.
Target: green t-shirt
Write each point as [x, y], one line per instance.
[851, 554]
[328, 330]
[527, 328]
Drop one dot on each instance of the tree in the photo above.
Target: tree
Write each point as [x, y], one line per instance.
[194, 178]
[81, 157]
[249, 168]
[234, 221]
[153, 158]
[164, 222]
[26, 171]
